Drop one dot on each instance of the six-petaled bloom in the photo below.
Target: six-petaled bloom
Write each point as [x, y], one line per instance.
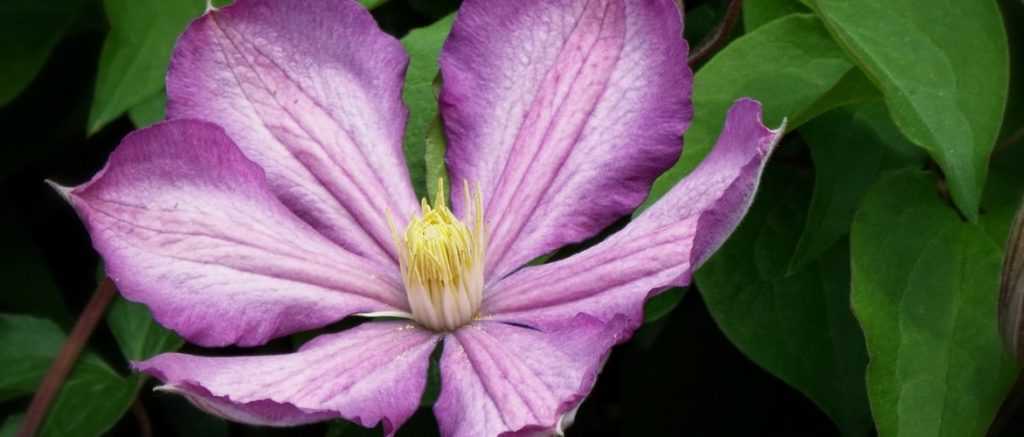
[276, 199]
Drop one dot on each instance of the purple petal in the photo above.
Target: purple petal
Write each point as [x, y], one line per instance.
[188, 226]
[498, 378]
[311, 91]
[564, 112]
[374, 373]
[660, 248]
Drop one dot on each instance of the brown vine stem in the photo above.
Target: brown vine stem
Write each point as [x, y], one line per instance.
[67, 357]
[718, 37]
[145, 426]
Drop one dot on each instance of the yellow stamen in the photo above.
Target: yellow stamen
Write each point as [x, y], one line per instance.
[442, 261]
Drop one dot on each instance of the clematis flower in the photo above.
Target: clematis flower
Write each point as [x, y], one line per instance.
[275, 199]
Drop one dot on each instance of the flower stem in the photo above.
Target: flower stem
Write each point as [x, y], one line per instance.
[718, 37]
[145, 427]
[67, 357]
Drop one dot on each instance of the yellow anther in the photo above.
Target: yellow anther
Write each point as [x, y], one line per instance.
[442, 261]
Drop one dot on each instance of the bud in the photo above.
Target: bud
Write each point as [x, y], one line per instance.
[1011, 294]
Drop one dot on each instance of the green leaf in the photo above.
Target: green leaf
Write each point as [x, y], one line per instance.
[1003, 195]
[787, 64]
[149, 111]
[661, 305]
[372, 4]
[433, 388]
[943, 66]
[11, 425]
[853, 88]
[29, 30]
[1005, 186]
[138, 335]
[437, 144]
[1013, 120]
[424, 46]
[797, 326]
[849, 154]
[925, 286]
[92, 401]
[27, 347]
[136, 54]
[757, 13]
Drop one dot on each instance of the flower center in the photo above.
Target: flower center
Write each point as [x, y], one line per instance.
[442, 262]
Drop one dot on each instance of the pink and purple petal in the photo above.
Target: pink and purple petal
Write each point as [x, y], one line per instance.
[660, 248]
[373, 374]
[311, 91]
[499, 379]
[188, 226]
[564, 112]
